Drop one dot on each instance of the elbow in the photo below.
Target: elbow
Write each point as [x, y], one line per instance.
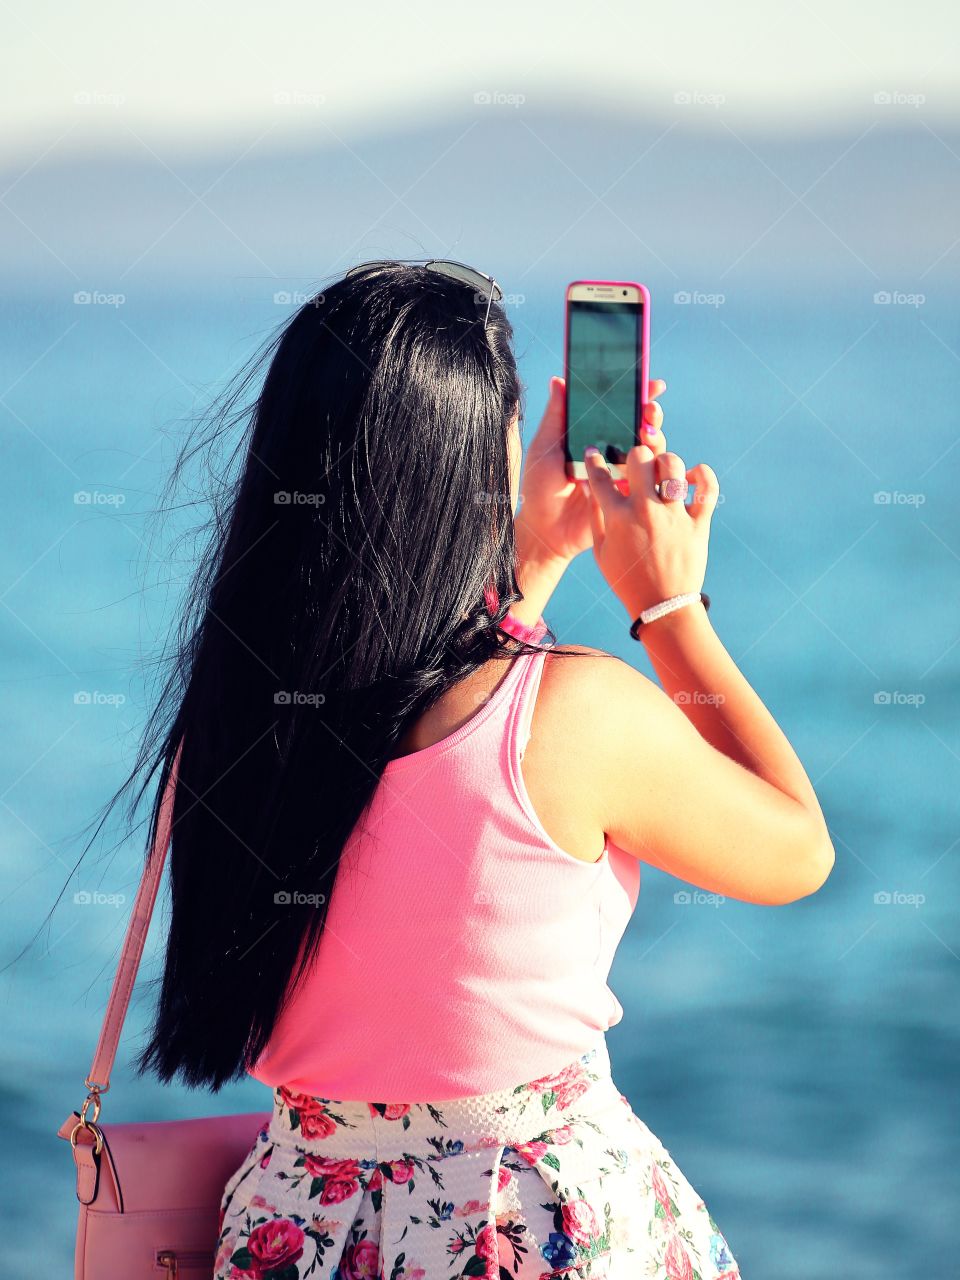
[814, 866]
[803, 864]
[821, 864]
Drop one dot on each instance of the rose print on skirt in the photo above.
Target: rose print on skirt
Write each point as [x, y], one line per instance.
[555, 1178]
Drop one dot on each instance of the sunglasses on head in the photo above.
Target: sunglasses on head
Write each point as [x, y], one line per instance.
[479, 281]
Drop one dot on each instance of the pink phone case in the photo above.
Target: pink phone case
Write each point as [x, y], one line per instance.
[644, 348]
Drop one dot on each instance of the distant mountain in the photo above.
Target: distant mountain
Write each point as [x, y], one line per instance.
[525, 191]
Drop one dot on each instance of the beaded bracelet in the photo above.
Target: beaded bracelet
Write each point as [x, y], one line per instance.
[668, 606]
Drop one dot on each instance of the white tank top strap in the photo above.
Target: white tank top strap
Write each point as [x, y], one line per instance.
[527, 696]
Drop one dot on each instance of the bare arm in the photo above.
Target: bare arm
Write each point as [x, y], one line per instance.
[696, 777]
[700, 677]
[663, 793]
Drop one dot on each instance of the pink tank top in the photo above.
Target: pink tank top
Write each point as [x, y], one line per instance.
[463, 951]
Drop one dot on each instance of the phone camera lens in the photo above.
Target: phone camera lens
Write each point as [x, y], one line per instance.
[624, 293]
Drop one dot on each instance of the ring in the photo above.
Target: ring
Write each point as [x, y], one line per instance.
[673, 489]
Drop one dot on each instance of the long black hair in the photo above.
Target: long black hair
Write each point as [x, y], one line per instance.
[345, 586]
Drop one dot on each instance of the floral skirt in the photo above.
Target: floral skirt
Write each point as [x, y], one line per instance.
[553, 1178]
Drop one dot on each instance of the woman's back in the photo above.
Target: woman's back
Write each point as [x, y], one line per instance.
[478, 907]
[462, 944]
[556, 777]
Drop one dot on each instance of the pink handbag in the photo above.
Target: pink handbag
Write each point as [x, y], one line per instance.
[149, 1194]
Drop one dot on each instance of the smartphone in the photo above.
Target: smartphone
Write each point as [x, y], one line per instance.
[606, 361]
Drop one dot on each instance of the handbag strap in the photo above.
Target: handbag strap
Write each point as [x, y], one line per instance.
[98, 1080]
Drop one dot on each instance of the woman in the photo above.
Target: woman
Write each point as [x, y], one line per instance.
[407, 832]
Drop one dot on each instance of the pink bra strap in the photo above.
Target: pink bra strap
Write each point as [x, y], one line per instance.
[98, 1080]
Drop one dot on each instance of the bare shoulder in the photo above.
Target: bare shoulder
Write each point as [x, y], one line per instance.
[589, 697]
[578, 748]
[559, 762]
[589, 683]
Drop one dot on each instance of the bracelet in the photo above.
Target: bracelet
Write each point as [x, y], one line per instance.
[668, 606]
[520, 631]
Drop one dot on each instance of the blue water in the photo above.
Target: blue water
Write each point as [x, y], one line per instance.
[799, 1062]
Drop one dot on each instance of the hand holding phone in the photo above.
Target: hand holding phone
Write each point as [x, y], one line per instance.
[647, 549]
[553, 515]
[606, 353]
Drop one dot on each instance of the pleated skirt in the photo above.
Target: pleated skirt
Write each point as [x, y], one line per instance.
[553, 1178]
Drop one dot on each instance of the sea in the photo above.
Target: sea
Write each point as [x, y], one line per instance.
[800, 1063]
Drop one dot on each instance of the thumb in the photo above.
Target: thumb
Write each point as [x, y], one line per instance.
[603, 489]
[550, 432]
[602, 494]
[597, 527]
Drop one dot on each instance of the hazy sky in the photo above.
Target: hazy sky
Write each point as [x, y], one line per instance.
[197, 71]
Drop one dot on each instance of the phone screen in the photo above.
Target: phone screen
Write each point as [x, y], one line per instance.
[603, 352]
